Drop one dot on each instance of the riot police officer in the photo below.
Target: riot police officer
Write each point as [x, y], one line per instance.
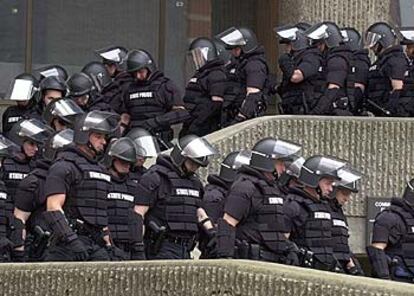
[300, 65]
[341, 195]
[253, 221]
[332, 98]
[81, 90]
[252, 70]
[125, 225]
[308, 215]
[359, 64]
[204, 94]
[170, 195]
[152, 101]
[30, 135]
[386, 75]
[61, 114]
[30, 241]
[391, 250]
[23, 91]
[113, 57]
[215, 192]
[146, 146]
[50, 88]
[408, 42]
[6, 212]
[76, 190]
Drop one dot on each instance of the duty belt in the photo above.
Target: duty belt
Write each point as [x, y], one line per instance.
[244, 250]
[85, 229]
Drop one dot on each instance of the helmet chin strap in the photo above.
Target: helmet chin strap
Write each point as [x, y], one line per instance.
[319, 191]
[97, 153]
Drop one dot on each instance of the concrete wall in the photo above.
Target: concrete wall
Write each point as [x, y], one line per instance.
[356, 13]
[182, 278]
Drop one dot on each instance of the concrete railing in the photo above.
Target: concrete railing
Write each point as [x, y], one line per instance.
[382, 148]
[182, 278]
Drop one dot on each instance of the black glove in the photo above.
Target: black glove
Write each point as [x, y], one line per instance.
[226, 237]
[5, 245]
[138, 251]
[379, 262]
[252, 105]
[292, 254]
[79, 249]
[286, 65]
[393, 101]
[151, 125]
[211, 246]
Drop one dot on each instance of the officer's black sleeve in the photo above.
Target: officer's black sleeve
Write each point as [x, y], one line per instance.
[256, 74]
[171, 95]
[213, 203]
[337, 69]
[148, 189]
[216, 81]
[26, 192]
[60, 177]
[397, 66]
[238, 202]
[362, 64]
[387, 227]
[294, 215]
[309, 65]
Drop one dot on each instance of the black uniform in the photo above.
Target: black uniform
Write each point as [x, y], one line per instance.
[30, 198]
[15, 169]
[121, 202]
[258, 206]
[208, 81]
[340, 236]
[233, 95]
[408, 91]
[297, 96]
[359, 68]
[252, 71]
[173, 199]
[5, 218]
[215, 197]
[85, 183]
[390, 64]
[335, 71]
[310, 225]
[149, 104]
[394, 226]
[136, 173]
[113, 92]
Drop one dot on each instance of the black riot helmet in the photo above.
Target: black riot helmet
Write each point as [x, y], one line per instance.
[292, 35]
[348, 179]
[407, 35]
[79, 84]
[327, 32]
[222, 52]
[52, 70]
[241, 37]
[30, 130]
[98, 73]
[7, 147]
[201, 51]
[232, 162]
[380, 33]
[24, 87]
[194, 148]
[267, 150]
[64, 109]
[113, 55]
[146, 144]
[352, 38]
[303, 26]
[123, 149]
[53, 83]
[95, 121]
[56, 142]
[408, 194]
[139, 59]
[317, 167]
